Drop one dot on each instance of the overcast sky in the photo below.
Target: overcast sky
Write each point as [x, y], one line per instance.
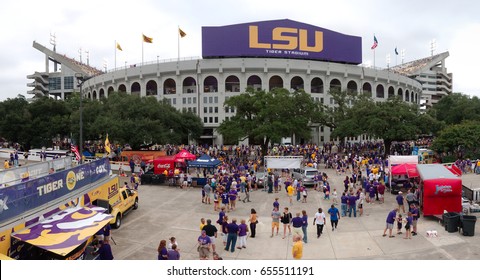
[94, 26]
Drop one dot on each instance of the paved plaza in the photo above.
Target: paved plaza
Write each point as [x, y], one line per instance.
[168, 211]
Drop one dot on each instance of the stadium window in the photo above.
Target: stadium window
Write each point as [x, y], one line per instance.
[184, 100]
[194, 110]
[68, 82]
[55, 83]
[205, 110]
[205, 99]
[205, 119]
[216, 109]
[210, 110]
[194, 100]
[210, 119]
[174, 101]
[226, 109]
[189, 100]
[210, 99]
[215, 99]
[216, 119]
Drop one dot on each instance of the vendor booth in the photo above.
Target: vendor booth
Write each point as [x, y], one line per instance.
[440, 190]
[401, 171]
[184, 155]
[204, 161]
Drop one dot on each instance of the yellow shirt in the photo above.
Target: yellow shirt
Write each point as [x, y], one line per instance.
[290, 190]
[297, 250]
[6, 165]
[201, 226]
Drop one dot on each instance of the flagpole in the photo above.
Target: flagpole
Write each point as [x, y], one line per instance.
[178, 44]
[115, 54]
[142, 48]
[374, 51]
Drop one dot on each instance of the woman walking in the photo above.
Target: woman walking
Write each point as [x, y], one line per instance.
[253, 222]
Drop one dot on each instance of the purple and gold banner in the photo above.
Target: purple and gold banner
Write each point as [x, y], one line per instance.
[18, 199]
[280, 39]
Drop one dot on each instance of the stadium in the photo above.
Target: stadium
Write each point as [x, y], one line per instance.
[263, 55]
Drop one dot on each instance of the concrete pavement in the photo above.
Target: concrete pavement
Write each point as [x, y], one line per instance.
[167, 211]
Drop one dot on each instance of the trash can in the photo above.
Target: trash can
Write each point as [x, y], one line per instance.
[451, 221]
[468, 225]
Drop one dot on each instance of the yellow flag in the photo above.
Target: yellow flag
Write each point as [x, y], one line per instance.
[107, 146]
[147, 39]
[118, 47]
[182, 34]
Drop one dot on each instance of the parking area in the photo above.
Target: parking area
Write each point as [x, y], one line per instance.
[169, 211]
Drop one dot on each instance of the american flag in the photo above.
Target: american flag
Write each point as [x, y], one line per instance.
[74, 149]
[375, 42]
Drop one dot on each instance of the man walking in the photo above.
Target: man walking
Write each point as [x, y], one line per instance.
[319, 221]
[334, 216]
[211, 232]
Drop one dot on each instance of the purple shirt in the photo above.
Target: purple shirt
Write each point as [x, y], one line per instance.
[242, 230]
[305, 220]
[232, 194]
[414, 213]
[352, 199]
[297, 222]
[232, 228]
[391, 217]
[204, 240]
[409, 221]
[173, 255]
[276, 204]
[399, 199]
[344, 199]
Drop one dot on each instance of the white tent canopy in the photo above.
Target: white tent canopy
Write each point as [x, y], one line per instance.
[287, 162]
[394, 160]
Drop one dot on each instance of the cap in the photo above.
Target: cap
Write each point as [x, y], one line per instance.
[400, 192]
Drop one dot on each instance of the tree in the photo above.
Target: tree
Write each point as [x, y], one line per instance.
[455, 108]
[460, 140]
[266, 117]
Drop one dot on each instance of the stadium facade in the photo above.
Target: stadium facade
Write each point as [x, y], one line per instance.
[263, 55]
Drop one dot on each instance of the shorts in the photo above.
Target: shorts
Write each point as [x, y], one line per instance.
[389, 226]
[297, 231]
[414, 223]
[212, 239]
[203, 252]
[275, 224]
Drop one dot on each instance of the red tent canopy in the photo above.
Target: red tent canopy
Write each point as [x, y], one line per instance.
[455, 170]
[408, 169]
[184, 155]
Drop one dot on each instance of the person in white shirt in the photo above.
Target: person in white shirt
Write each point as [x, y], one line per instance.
[319, 221]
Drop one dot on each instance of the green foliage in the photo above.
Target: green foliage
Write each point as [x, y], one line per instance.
[459, 139]
[266, 117]
[126, 118]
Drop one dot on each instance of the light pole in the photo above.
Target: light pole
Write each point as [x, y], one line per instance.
[80, 80]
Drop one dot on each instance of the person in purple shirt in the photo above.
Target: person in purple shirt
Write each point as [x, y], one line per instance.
[400, 200]
[304, 225]
[232, 194]
[232, 233]
[276, 204]
[415, 215]
[242, 234]
[104, 252]
[344, 200]
[204, 243]
[173, 254]
[408, 226]
[390, 221]
[371, 193]
[352, 205]
[297, 223]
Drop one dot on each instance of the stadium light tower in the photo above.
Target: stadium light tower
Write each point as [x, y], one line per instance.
[80, 80]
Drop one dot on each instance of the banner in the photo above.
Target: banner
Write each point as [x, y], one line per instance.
[17, 199]
[283, 162]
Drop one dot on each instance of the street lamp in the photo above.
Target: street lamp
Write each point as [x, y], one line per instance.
[80, 80]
